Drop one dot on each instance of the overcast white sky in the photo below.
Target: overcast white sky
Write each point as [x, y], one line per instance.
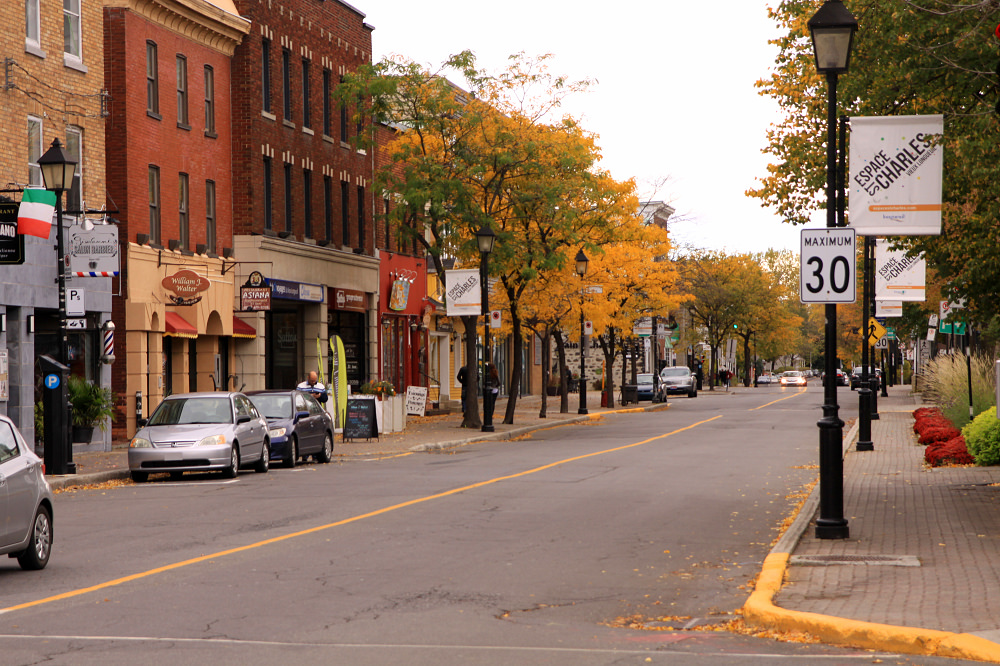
[674, 97]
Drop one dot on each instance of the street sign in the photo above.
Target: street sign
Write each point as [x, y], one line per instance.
[75, 300]
[883, 343]
[876, 331]
[827, 272]
[588, 327]
[76, 323]
[495, 320]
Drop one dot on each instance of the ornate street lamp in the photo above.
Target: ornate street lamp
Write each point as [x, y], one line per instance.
[581, 270]
[58, 168]
[486, 238]
[832, 29]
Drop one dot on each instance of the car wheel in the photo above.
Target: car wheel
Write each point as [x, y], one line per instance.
[36, 555]
[264, 463]
[293, 452]
[233, 470]
[326, 454]
[139, 477]
[693, 393]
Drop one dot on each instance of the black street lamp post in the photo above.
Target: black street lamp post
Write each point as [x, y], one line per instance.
[832, 29]
[864, 391]
[486, 238]
[581, 270]
[58, 168]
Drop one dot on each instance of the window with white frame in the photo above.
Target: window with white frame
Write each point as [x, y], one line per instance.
[72, 29]
[74, 146]
[32, 24]
[34, 151]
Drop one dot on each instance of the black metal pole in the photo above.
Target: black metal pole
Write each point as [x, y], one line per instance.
[64, 462]
[583, 365]
[864, 391]
[831, 523]
[487, 354]
[873, 380]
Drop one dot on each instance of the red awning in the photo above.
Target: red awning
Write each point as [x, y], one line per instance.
[178, 327]
[241, 329]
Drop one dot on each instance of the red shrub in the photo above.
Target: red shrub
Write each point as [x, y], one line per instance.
[931, 421]
[939, 434]
[925, 411]
[951, 452]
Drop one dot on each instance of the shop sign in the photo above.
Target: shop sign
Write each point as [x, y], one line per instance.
[399, 294]
[351, 300]
[93, 253]
[185, 285]
[11, 242]
[255, 294]
[296, 291]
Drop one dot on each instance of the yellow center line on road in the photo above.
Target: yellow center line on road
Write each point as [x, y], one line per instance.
[346, 521]
[778, 400]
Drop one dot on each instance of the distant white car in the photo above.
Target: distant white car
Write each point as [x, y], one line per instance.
[26, 529]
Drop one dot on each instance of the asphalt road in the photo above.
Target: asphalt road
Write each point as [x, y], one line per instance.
[617, 542]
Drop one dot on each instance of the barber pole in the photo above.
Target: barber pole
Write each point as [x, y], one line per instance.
[108, 357]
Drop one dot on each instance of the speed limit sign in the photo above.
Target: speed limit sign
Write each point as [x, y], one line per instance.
[828, 265]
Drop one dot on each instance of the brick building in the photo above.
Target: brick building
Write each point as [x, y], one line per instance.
[169, 160]
[52, 89]
[303, 196]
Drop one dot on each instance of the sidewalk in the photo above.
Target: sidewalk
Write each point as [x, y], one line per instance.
[421, 434]
[920, 572]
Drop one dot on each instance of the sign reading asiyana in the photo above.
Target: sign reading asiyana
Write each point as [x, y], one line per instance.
[896, 166]
[462, 293]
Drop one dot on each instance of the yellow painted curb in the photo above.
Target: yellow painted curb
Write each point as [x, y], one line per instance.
[760, 611]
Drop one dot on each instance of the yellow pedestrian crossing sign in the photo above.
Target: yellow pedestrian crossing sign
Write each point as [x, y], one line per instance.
[875, 331]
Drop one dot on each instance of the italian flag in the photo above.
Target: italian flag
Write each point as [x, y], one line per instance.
[34, 216]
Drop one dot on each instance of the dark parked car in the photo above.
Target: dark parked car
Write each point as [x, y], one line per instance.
[297, 425]
[874, 376]
[198, 432]
[26, 521]
[678, 379]
[645, 386]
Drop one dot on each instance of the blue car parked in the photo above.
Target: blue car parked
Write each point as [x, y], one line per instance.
[297, 424]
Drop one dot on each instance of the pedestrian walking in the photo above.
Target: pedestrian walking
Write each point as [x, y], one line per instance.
[491, 389]
[462, 378]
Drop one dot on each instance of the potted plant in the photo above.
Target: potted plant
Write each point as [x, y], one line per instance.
[92, 406]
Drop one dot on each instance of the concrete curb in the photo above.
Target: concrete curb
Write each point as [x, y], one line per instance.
[760, 611]
[75, 480]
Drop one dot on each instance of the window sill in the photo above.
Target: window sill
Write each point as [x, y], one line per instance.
[288, 123]
[211, 135]
[73, 62]
[268, 115]
[154, 115]
[306, 130]
[345, 145]
[328, 138]
[184, 127]
[33, 49]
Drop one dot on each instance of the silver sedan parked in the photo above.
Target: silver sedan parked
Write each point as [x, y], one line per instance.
[191, 432]
[25, 501]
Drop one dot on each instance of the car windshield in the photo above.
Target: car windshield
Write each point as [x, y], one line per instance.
[273, 405]
[680, 371]
[179, 411]
[792, 373]
[644, 379]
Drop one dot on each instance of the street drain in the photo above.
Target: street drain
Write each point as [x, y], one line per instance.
[880, 560]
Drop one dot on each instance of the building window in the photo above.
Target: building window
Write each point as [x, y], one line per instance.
[152, 80]
[388, 228]
[265, 72]
[154, 204]
[307, 198]
[268, 195]
[361, 218]
[183, 220]
[32, 25]
[288, 197]
[328, 207]
[305, 94]
[72, 28]
[345, 212]
[210, 237]
[326, 102]
[74, 146]
[182, 92]
[34, 151]
[343, 119]
[209, 100]
[286, 84]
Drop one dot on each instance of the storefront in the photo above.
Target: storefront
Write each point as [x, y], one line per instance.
[347, 318]
[404, 309]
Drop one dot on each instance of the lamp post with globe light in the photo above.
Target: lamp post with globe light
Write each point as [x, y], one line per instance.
[581, 270]
[486, 238]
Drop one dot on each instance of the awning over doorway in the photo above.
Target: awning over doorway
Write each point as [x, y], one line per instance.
[241, 329]
[178, 327]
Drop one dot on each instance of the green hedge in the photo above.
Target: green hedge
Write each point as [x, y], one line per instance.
[982, 438]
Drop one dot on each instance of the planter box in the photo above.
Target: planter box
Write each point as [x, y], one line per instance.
[391, 414]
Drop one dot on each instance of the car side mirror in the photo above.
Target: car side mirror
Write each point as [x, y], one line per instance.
[301, 415]
[242, 418]
[140, 423]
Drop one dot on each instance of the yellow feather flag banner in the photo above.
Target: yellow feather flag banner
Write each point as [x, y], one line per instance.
[338, 380]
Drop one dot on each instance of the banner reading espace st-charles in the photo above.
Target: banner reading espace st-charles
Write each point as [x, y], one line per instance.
[896, 165]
